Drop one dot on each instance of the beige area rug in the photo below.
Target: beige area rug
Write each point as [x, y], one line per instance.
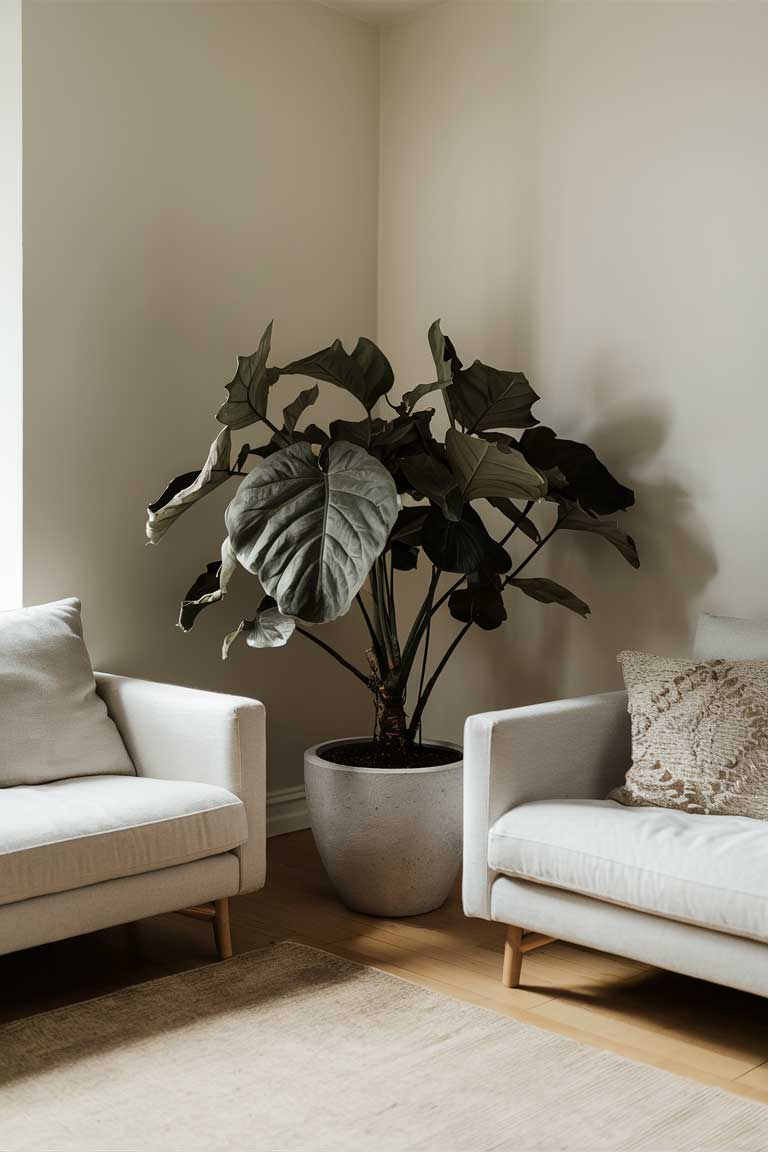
[291, 1048]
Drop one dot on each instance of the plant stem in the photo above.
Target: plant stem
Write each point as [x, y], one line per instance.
[425, 695]
[375, 638]
[422, 620]
[533, 552]
[425, 655]
[336, 655]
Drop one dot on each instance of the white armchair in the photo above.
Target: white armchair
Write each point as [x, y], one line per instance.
[546, 854]
[186, 832]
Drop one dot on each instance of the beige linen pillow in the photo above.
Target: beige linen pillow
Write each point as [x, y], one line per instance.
[52, 723]
[699, 735]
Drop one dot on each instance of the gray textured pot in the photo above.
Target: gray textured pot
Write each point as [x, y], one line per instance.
[390, 839]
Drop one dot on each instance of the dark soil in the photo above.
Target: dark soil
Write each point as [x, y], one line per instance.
[374, 754]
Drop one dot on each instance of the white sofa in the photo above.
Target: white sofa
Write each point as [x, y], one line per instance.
[186, 832]
[546, 854]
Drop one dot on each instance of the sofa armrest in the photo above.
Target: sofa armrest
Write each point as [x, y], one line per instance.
[567, 749]
[207, 737]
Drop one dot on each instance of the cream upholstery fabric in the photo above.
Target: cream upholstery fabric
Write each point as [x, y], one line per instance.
[28, 923]
[571, 748]
[77, 832]
[706, 870]
[175, 733]
[52, 723]
[699, 952]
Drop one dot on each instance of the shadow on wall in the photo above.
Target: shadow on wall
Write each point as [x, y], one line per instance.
[544, 652]
[654, 608]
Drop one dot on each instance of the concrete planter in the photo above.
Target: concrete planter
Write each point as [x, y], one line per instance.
[390, 839]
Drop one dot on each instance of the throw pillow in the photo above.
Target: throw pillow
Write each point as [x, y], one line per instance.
[52, 723]
[699, 735]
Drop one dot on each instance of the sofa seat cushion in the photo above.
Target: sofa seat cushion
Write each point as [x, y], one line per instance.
[67, 834]
[711, 871]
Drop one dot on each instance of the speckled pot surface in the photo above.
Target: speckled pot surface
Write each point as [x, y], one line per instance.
[390, 839]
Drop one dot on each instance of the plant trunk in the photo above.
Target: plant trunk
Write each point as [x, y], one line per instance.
[393, 725]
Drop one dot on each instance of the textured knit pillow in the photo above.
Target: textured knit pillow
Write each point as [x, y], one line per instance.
[52, 723]
[699, 735]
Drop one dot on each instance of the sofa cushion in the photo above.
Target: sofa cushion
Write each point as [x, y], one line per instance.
[699, 735]
[706, 870]
[67, 834]
[52, 723]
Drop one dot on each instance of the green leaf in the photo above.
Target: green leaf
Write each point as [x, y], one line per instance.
[548, 592]
[311, 531]
[293, 412]
[427, 476]
[269, 629]
[513, 513]
[186, 490]
[367, 373]
[442, 350]
[209, 588]
[485, 397]
[249, 388]
[465, 546]
[411, 398]
[482, 470]
[576, 520]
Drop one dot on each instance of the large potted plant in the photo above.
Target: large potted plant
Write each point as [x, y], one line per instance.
[326, 518]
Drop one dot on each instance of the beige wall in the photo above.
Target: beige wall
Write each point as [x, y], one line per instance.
[11, 380]
[580, 191]
[191, 171]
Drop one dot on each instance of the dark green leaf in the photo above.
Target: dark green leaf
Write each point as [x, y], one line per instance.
[482, 470]
[310, 532]
[574, 519]
[186, 490]
[401, 431]
[464, 546]
[574, 473]
[210, 587]
[405, 557]
[353, 431]
[367, 373]
[315, 435]
[293, 412]
[249, 388]
[428, 477]
[485, 397]
[548, 592]
[513, 513]
[480, 602]
[409, 526]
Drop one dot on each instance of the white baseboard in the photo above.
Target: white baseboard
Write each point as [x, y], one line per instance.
[286, 810]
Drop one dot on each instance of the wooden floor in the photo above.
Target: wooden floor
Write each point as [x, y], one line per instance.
[701, 1030]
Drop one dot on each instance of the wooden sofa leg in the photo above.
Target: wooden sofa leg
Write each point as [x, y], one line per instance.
[217, 914]
[513, 958]
[221, 928]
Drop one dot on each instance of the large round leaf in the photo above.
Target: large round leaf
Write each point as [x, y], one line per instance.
[310, 530]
